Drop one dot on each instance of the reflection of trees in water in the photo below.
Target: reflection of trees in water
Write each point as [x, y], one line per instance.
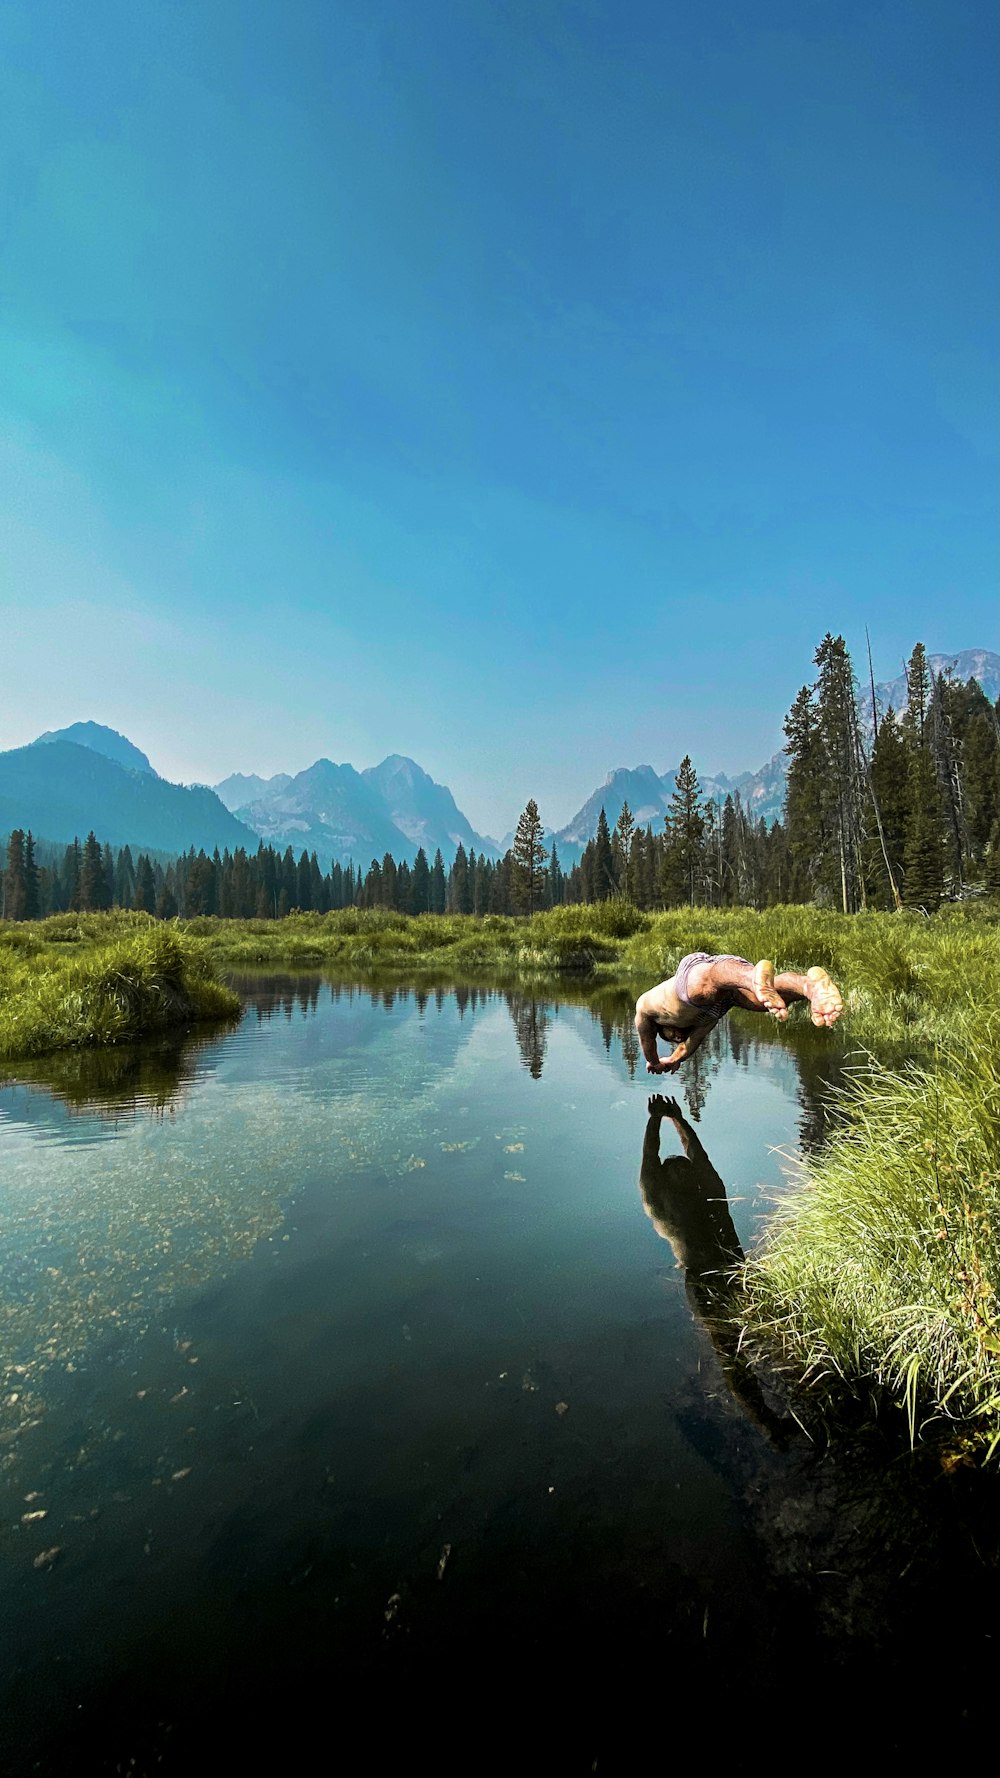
[278, 995]
[821, 1071]
[685, 1200]
[819, 1061]
[699, 1071]
[818, 1058]
[122, 1080]
[531, 1023]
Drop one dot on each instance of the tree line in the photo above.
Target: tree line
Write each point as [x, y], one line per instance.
[905, 818]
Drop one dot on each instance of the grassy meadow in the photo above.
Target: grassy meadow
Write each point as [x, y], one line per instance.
[879, 1279]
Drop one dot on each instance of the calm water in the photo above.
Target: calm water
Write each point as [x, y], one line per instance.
[365, 1378]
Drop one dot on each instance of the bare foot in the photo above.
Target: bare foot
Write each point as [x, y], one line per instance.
[824, 996]
[765, 990]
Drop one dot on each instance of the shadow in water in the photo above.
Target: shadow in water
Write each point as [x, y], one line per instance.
[685, 1200]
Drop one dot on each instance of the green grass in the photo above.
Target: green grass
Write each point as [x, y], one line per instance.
[54, 997]
[880, 1272]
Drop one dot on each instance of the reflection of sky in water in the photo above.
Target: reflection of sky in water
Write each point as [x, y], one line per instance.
[123, 1206]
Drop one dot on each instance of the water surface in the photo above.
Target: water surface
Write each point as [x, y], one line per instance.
[367, 1371]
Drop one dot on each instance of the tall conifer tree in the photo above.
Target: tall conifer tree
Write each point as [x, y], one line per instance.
[528, 857]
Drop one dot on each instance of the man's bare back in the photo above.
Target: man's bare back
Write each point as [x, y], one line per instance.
[686, 1007]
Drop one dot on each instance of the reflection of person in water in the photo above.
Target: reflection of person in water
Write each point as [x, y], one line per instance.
[686, 1203]
[689, 1004]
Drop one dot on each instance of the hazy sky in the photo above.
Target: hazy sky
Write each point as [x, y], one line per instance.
[524, 386]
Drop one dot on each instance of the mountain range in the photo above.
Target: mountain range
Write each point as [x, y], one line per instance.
[342, 813]
[88, 776]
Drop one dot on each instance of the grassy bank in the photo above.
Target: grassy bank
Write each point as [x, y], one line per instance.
[880, 1272]
[905, 978]
[102, 989]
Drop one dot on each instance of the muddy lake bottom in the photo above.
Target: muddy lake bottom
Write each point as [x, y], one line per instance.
[368, 1401]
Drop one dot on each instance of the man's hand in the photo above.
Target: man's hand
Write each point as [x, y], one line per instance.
[671, 1063]
[662, 1107]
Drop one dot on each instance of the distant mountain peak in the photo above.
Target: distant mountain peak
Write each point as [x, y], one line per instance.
[241, 788]
[100, 739]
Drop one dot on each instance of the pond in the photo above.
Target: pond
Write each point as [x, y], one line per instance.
[367, 1377]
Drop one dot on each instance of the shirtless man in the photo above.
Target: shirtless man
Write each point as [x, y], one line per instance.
[686, 1007]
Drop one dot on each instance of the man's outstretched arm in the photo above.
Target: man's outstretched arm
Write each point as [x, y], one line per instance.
[646, 1027]
[693, 1041]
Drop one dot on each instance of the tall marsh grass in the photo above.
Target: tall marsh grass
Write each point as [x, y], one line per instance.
[881, 1267]
[55, 997]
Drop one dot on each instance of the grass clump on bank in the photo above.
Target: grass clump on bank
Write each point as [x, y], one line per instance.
[880, 1271]
[53, 997]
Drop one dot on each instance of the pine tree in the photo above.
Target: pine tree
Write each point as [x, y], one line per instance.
[601, 869]
[107, 875]
[624, 829]
[528, 857]
[200, 893]
[842, 785]
[373, 888]
[166, 899]
[687, 825]
[124, 879]
[889, 774]
[991, 873]
[942, 737]
[460, 898]
[918, 694]
[72, 866]
[420, 885]
[145, 885]
[92, 887]
[924, 857]
[14, 887]
[32, 907]
[554, 879]
[303, 883]
[805, 821]
[437, 890]
[981, 768]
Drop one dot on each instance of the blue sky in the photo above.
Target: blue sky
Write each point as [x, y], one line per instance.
[522, 386]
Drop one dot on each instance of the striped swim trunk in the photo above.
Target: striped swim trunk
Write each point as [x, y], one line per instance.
[723, 1000]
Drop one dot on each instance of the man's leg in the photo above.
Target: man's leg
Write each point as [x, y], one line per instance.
[758, 989]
